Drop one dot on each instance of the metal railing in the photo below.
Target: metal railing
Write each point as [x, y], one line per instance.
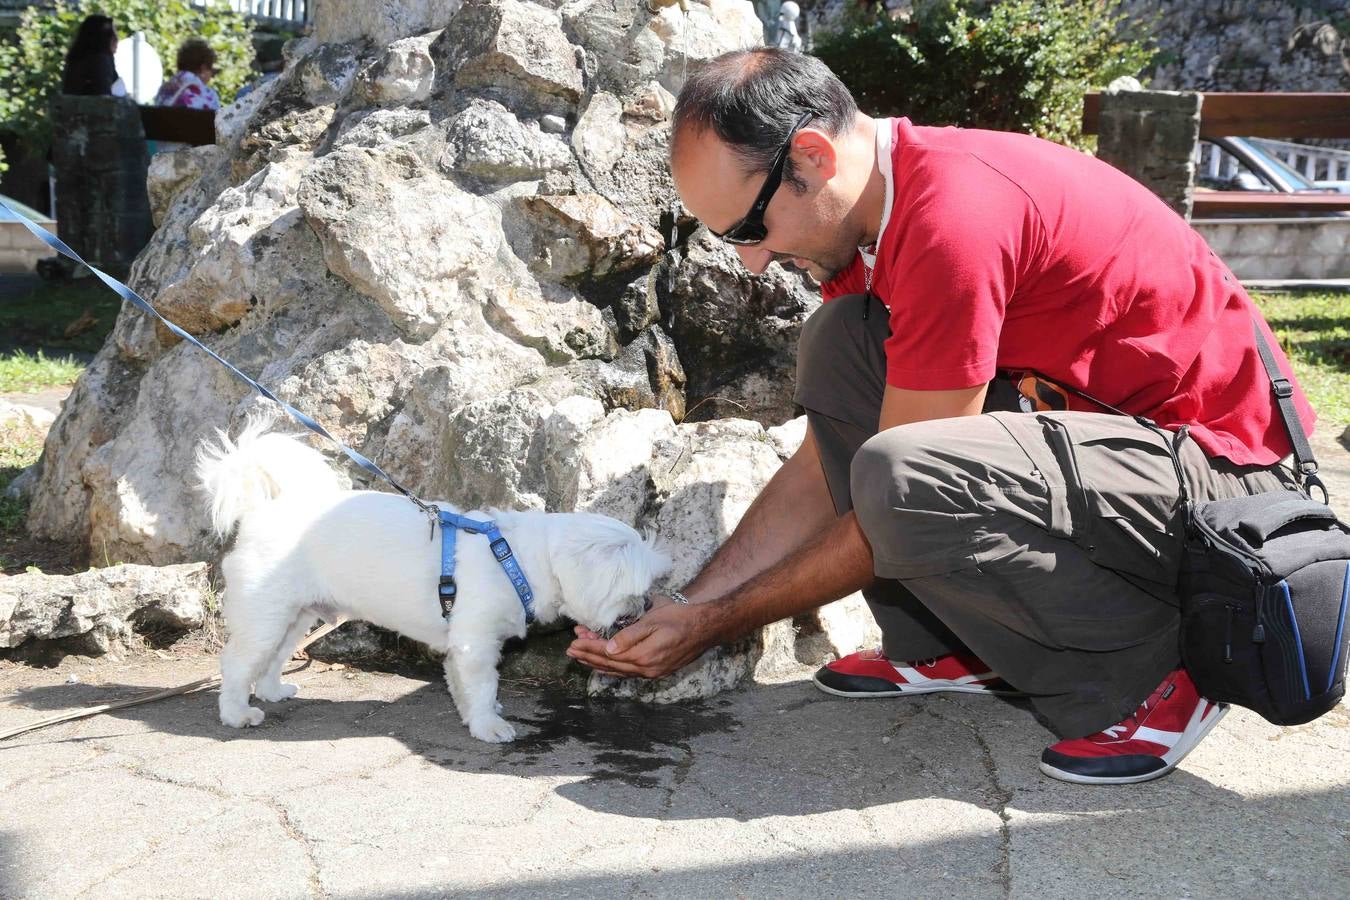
[271, 12]
[1313, 163]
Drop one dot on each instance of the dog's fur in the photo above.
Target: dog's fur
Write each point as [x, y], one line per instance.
[305, 549]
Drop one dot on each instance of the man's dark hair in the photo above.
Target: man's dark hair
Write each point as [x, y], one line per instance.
[751, 99]
[194, 55]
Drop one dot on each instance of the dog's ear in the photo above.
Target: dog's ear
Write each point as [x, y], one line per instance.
[598, 560]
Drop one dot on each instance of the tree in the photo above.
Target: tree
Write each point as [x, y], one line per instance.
[30, 65]
[1019, 65]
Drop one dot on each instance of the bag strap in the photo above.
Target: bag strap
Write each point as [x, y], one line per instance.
[1305, 463]
[1283, 389]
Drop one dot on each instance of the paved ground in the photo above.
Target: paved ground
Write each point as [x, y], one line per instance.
[366, 786]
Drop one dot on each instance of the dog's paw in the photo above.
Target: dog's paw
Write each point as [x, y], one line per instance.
[495, 730]
[277, 692]
[251, 715]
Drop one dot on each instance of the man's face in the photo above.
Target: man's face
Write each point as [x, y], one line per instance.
[806, 229]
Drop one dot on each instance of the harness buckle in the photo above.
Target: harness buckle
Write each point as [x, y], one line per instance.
[447, 594]
[501, 549]
[1282, 388]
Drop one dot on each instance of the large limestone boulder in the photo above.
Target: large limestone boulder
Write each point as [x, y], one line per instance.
[448, 231]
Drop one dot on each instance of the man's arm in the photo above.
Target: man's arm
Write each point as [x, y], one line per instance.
[833, 564]
[792, 507]
[830, 565]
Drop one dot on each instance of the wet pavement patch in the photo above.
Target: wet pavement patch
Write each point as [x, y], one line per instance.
[632, 738]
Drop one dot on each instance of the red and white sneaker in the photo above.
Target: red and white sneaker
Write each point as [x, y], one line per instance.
[870, 674]
[1147, 745]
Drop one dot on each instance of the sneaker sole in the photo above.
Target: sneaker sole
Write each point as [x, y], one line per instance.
[1172, 758]
[913, 691]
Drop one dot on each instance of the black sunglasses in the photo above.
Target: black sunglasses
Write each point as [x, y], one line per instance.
[751, 230]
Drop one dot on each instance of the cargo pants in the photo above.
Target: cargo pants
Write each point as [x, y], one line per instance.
[1045, 543]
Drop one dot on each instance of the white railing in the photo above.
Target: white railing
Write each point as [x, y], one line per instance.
[1213, 162]
[271, 12]
[1313, 163]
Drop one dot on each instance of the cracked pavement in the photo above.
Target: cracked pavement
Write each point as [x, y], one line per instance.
[366, 786]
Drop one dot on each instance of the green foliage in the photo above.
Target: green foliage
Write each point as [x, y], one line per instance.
[30, 65]
[1020, 65]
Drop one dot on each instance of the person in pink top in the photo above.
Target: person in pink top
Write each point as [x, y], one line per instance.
[189, 87]
[1009, 534]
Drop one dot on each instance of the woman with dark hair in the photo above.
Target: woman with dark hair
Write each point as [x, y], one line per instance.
[89, 68]
[196, 64]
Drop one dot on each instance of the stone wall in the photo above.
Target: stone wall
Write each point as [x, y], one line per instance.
[1311, 248]
[1247, 45]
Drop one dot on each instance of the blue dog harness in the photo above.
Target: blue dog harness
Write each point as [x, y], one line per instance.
[451, 525]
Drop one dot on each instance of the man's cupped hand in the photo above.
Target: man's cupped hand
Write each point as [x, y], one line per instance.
[667, 638]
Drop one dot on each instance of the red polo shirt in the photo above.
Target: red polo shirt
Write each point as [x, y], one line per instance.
[1004, 251]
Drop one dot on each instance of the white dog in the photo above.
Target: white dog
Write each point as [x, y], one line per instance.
[305, 548]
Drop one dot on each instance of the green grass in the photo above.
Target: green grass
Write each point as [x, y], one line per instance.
[63, 318]
[19, 449]
[1314, 330]
[24, 372]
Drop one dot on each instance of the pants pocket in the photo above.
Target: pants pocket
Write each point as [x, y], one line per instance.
[1120, 492]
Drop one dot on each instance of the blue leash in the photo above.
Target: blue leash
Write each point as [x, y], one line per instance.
[451, 525]
[449, 522]
[9, 215]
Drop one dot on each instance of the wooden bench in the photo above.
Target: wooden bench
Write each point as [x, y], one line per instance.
[1238, 114]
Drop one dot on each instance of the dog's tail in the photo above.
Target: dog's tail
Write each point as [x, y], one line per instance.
[241, 476]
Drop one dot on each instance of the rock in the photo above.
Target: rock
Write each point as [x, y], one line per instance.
[487, 141]
[585, 234]
[21, 415]
[599, 137]
[339, 21]
[172, 171]
[450, 250]
[21, 488]
[654, 104]
[787, 438]
[377, 127]
[517, 48]
[405, 74]
[701, 33]
[737, 333]
[102, 607]
[370, 207]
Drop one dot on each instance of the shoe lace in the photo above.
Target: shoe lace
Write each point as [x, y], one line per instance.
[1120, 729]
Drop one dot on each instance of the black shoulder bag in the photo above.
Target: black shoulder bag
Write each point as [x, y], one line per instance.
[1264, 588]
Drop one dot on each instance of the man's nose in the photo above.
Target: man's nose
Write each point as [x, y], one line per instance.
[755, 258]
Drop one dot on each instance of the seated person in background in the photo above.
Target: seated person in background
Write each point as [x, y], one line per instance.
[89, 69]
[188, 89]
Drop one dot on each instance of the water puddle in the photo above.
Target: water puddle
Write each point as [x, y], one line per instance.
[632, 739]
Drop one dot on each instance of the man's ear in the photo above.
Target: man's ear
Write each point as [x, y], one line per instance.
[814, 149]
